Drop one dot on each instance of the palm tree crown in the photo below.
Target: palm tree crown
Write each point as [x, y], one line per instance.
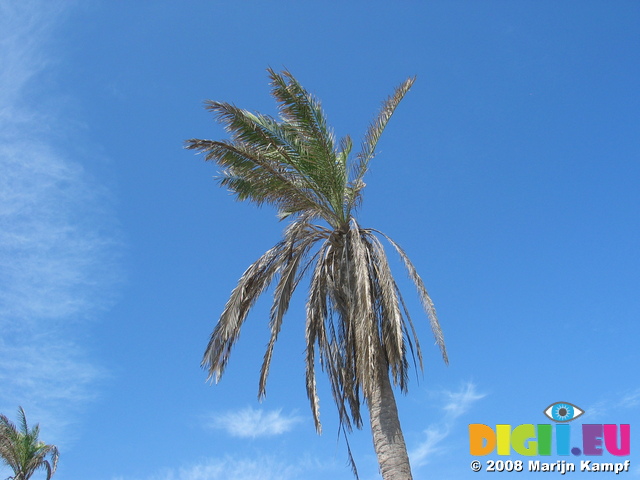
[356, 318]
[21, 449]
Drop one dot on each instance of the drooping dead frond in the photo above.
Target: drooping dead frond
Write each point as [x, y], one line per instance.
[299, 238]
[251, 285]
[425, 299]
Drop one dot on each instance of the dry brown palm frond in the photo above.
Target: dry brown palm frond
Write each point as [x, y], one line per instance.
[425, 299]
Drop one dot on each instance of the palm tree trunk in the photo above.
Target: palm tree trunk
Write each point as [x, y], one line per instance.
[388, 440]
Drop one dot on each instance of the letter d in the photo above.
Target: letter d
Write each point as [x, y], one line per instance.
[482, 439]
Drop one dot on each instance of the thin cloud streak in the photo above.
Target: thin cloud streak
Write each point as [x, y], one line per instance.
[252, 423]
[605, 410]
[58, 247]
[52, 381]
[457, 404]
[23, 27]
[265, 468]
[261, 467]
[630, 400]
[53, 258]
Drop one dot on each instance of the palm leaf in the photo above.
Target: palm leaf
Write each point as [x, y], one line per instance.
[372, 136]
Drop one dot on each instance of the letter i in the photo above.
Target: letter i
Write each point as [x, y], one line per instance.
[563, 439]
[544, 439]
[503, 432]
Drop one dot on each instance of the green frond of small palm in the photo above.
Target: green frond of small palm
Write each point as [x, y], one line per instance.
[22, 451]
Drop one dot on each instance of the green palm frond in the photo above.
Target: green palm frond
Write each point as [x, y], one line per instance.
[262, 170]
[304, 114]
[292, 164]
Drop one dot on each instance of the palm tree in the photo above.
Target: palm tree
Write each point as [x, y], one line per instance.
[356, 318]
[21, 450]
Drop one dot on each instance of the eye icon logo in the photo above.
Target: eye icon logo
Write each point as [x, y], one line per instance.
[563, 412]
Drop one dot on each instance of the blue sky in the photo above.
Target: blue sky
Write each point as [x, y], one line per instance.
[509, 174]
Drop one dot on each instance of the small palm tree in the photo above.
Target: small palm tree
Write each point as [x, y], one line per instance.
[356, 318]
[21, 449]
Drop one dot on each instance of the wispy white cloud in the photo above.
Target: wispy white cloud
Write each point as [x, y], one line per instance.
[23, 26]
[53, 256]
[456, 404]
[58, 252]
[260, 467]
[51, 379]
[253, 423]
[264, 468]
[621, 400]
[630, 399]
